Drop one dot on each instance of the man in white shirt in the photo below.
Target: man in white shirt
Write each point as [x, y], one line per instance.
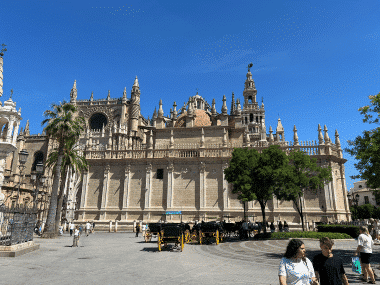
[71, 227]
[88, 228]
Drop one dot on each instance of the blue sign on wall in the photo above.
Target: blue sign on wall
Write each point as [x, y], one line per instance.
[173, 213]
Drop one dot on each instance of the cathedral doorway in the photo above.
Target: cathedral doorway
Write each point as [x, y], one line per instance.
[97, 121]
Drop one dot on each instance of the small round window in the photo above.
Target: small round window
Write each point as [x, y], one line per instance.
[97, 121]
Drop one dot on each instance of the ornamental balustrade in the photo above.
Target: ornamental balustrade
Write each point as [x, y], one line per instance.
[212, 150]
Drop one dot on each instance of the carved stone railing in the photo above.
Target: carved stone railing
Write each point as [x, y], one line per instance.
[204, 152]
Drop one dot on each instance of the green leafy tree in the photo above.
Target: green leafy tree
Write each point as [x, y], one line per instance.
[366, 148]
[303, 174]
[61, 125]
[74, 160]
[255, 175]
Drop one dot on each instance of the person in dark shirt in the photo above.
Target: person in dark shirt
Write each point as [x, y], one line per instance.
[328, 267]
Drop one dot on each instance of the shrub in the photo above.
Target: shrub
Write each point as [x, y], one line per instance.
[316, 235]
[350, 230]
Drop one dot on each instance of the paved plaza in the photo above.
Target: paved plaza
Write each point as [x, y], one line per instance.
[121, 258]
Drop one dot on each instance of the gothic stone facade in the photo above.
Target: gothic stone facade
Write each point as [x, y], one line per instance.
[140, 167]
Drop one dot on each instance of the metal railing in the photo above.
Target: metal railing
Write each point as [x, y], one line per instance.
[17, 224]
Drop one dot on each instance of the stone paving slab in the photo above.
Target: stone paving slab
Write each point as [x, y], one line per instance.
[120, 258]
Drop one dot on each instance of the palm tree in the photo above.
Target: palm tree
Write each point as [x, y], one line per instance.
[73, 160]
[61, 126]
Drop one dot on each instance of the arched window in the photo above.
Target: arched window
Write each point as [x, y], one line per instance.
[251, 117]
[360, 186]
[250, 99]
[38, 157]
[97, 121]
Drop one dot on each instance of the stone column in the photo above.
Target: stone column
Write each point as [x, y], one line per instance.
[202, 185]
[148, 185]
[15, 133]
[127, 173]
[169, 198]
[84, 190]
[105, 186]
[225, 188]
[10, 129]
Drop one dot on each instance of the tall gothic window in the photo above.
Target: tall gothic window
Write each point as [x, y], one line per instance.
[251, 117]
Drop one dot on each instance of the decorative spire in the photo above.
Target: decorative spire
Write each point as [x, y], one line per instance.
[160, 110]
[249, 83]
[154, 114]
[327, 139]
[74, 92]
[190, 110]
[238, 107]
[148, 122]
[109, 95]
[295, 137]
[136, 83]
[92, 96]
[320, 136]
[26, 131]
[233, 108]
[174, 111]
[262, 103]
[279, 128]
[213, 109]
[337, 140]
[125, 94]
[271, 139]
[224, 107]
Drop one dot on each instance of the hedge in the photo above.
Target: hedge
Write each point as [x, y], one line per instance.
[351, 230]
[316, 235]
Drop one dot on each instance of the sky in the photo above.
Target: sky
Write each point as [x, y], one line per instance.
[314, 62]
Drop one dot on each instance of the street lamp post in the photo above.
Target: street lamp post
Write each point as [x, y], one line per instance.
[22, 158]
[37, 177]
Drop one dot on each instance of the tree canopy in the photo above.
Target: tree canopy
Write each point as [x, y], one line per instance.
[303, 174]
[366, 148]
[255, 175]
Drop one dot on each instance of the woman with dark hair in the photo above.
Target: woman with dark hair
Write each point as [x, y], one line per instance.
[365, 250]
[295, 268]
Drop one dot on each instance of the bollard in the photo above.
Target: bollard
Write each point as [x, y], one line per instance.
[134, 226]
[110, 226]
[115, 226]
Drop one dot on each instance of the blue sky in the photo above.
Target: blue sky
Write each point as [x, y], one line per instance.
[313, 61]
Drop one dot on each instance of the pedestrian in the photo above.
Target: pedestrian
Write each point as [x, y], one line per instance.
[365, 250]
[286, 226]
[272, 227]
[72, 227]
[327, 266]
[280, 227]
[76, 236]
[295, 267]
[80, 228]
[137, 229]
[88, 228]
[93, 226]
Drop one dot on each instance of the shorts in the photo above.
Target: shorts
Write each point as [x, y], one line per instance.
[365, 257]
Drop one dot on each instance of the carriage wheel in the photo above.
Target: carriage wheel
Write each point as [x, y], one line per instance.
[182, 244]
[159, 242]
[217, 237]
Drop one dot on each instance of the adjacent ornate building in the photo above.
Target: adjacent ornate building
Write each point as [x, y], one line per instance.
[140, 168]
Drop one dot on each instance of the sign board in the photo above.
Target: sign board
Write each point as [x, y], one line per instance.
[173, 213]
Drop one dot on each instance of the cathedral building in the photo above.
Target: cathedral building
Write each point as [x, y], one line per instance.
[145, 168]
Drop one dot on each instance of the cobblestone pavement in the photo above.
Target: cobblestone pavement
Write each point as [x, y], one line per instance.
[120, 258]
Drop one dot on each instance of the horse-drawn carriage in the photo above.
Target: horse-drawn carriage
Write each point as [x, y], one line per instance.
[171, 233]
[208, 232]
